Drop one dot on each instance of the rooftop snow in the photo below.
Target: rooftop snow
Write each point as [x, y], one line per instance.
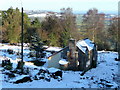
[53, 49]
[63, 61]
[37, 15]
[82, 44]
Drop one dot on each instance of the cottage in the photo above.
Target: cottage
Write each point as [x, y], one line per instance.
[81, 55]
[87, 54]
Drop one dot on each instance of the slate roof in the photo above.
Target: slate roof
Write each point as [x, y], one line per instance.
[85, 44]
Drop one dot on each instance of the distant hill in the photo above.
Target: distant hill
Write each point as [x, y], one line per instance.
[106, 12]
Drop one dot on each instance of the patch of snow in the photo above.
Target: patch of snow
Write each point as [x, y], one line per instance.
[18, 78]
[48, 54]
[53, 70]
[44, 59]
[104, 73]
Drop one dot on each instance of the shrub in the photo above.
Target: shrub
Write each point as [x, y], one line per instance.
[38, 63]
[10, 51]
[8, 67]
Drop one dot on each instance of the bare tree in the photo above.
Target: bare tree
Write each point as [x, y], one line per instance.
[68, 22]
[94, 23]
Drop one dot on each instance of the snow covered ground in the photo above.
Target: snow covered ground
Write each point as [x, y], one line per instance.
[103, 76]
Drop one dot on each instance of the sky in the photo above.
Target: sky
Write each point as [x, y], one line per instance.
[56, 5]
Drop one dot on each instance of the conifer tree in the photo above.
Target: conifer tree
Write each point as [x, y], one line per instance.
[37, 46]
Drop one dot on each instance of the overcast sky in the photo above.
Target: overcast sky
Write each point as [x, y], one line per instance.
[56, 5]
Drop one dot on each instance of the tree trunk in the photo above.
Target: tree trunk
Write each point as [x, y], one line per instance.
[20, 65]
[119, 54]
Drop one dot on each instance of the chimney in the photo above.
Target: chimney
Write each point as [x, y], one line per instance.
[72, 54]
[72, 47]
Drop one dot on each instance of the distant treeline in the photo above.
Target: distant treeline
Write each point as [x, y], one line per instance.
[56, 31]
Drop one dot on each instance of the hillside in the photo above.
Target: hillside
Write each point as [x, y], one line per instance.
[104, 76]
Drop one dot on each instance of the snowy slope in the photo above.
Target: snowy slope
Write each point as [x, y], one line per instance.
[97, 77]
